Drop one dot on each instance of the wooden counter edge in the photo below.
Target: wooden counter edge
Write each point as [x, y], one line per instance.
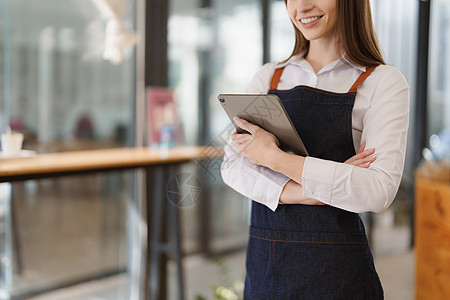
[102, 159]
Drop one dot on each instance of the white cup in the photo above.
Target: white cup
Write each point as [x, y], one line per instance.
[11, 143]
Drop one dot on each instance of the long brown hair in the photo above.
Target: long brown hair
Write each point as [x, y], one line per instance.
[355, 32]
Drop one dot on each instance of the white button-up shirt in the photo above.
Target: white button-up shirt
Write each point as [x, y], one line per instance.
[380, 117]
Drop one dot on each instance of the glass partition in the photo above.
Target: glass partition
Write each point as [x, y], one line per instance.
[57, 90]
[214, 47]
[68, 230]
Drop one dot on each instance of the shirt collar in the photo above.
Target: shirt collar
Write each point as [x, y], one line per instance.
[300, 61]
[348, 61]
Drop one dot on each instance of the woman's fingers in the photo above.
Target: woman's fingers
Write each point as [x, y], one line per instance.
[361, 148]
[363, 158]
[363, 161]
[360, 155]
[246, 125]
[365, 153]
[364, 166]
[241, 138]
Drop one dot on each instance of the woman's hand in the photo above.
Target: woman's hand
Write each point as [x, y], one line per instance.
[363, 158]
[256, 146]
[293, 191]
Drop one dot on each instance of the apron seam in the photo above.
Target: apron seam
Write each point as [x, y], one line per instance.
[315, 102]
[306, 242]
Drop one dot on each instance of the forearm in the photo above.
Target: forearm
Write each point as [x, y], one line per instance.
[288, 164]
[293, 194]
[256, 182]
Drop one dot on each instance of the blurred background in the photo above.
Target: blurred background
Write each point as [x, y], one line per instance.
[70, 237]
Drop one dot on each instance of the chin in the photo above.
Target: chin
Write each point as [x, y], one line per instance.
[310, 37]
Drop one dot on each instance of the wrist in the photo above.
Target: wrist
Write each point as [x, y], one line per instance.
[273, 158]
[286, 163]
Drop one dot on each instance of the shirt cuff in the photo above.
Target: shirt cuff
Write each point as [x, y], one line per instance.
[268, 188]
[318, 178]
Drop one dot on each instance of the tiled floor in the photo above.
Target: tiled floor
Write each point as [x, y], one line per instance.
[394, 263]
[112, 288]
[396, 273]
[394, 260]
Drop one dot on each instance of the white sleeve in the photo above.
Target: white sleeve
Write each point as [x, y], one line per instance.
[256, 182]
[385, 126]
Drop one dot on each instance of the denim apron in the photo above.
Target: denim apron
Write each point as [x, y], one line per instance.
[312, 251]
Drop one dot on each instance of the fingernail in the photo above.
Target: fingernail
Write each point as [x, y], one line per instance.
[235, 119]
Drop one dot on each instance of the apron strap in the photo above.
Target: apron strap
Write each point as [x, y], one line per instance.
[361, 78]
[276, 78]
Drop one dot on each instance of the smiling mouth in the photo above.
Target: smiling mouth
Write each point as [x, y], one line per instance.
[309, 20]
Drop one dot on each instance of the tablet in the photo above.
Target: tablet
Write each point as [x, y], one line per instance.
[268, 112]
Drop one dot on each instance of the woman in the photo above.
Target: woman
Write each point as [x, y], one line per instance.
[340, 96]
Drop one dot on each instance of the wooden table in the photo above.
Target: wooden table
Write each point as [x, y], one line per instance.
[69, 163]
[432, 232]
[158, 166]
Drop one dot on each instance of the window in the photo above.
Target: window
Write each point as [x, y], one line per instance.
[57, 89]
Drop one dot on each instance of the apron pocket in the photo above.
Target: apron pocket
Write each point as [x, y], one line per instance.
[316, 265]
